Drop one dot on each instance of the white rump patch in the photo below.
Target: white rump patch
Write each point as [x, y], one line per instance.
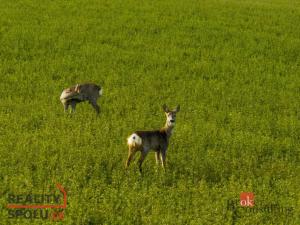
[134, 140]
[101, 91]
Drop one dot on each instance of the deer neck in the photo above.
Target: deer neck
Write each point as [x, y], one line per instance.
[168, 129]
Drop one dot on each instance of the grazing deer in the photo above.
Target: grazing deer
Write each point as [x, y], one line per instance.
[80, 93]
[157, 140]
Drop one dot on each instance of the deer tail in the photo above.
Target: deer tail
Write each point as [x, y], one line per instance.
[101, 91]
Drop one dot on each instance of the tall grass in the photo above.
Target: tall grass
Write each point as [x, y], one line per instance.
[233, 66]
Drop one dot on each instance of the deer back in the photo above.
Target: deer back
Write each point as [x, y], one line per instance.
[156, 140]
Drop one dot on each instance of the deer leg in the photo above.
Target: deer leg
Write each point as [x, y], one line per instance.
[95, 106]
[131, 154]
[73, 105]
[163, 159]
[157, 157]
[66, 106]
[142, 158]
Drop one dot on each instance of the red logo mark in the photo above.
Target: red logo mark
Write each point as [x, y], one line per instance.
[56, 216]
[247, 199]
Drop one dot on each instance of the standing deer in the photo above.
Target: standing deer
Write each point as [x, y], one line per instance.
[80, 93]
[157, 140]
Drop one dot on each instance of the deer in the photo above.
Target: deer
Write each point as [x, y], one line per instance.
[157, 140]
[80, 93]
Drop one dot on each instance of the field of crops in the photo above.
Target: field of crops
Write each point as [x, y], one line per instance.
[233, 67]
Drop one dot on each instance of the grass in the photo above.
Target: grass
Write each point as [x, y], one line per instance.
[233, 66]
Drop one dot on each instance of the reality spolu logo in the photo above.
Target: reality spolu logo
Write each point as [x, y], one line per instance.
[37, 206]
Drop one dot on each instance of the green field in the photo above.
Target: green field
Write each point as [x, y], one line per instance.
[234, 68]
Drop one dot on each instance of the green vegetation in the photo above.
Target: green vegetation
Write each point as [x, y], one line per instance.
[233, 66]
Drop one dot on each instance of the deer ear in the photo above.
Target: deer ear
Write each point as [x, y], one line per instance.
[177, 108]
[77, 88]
[165, 108]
